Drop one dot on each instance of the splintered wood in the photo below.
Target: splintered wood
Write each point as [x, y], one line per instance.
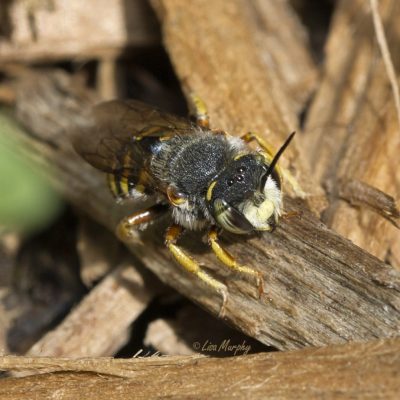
[352, 130]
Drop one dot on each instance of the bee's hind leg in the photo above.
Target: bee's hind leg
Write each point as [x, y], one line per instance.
[228, 260]
[191, 265]
[129, 225]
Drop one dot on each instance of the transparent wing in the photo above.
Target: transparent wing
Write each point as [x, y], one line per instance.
[116, 135]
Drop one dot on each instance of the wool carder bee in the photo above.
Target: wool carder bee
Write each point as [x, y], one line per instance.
[205, 178]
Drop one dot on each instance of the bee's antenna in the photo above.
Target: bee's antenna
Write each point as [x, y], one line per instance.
[278, 155]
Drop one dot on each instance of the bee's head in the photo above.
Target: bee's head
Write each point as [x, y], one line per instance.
[246, 196]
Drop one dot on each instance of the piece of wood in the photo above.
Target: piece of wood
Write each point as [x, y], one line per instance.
[319, 287]
[284, 52]
[357, 370]
[352, 131]
[44, 30]
[98, 325]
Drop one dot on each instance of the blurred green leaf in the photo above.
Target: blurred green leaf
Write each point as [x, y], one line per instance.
[27, 202]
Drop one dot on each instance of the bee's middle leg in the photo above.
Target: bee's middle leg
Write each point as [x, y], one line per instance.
[191, 265]
[227, 259]
[131, 223]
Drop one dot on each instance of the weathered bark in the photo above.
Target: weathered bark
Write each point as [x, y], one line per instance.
[358, 371]
[352, 131]
[320, 288]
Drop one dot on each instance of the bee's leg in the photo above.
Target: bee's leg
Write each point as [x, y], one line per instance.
[227, 259]
[269, 153]
[198, 110]
[264, 144]
[131, 223]
[291, 214]
[171, 237]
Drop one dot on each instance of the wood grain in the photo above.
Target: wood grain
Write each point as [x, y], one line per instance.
[352, 131]
[357, 370]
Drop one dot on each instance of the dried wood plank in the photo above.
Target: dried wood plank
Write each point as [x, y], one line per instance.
[357, 370]
[98, 325]
[352, 130]
[57, 29]
[320, 288]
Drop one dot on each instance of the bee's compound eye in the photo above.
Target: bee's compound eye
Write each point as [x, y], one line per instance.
[174, 196]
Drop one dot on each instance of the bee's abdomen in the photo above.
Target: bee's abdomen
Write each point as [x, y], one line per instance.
[118, 186]
[123, 187]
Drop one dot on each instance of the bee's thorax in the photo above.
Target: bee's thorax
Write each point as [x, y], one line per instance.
[190, 163]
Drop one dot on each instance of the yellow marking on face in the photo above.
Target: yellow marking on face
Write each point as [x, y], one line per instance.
[259, 215]
[210, 189]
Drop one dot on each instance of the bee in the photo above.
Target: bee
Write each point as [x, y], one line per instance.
[205, 178]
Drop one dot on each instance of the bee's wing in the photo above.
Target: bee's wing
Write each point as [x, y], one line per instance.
[110, 137]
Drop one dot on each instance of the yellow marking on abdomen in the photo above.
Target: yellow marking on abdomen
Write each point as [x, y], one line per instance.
[112, 184]
[123, 183]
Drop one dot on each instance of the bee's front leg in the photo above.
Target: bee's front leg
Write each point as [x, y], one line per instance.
[227, 259]
[131, 223]
[191, 265]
